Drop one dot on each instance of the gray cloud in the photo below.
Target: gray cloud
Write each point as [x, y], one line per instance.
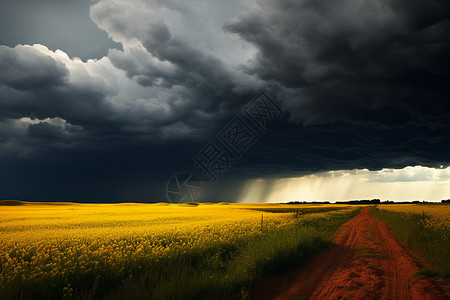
[37, 85]
[381, 63]
[363, 84]
[109, 107]
[26, 69]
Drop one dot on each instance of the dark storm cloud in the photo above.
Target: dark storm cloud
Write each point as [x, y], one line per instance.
[46, 131]
[290, 151]
[419, 14]
[26, 73]
[172, 57]
[194, 68]
[145, 72]
[364, 84]
[380, 63]
[27, 69]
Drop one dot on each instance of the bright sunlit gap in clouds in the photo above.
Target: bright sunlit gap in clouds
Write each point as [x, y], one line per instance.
[407, 184]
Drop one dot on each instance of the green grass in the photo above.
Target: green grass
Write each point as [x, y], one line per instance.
[431, 243]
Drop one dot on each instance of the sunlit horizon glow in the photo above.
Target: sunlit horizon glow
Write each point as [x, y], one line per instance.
[407, 184]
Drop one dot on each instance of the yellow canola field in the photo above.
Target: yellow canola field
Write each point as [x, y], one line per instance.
[54, 241]
[439, 213]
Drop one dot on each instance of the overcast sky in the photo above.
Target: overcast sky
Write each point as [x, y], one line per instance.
[106, 100]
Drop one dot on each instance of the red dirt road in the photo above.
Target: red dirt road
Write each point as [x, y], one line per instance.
[366, 263]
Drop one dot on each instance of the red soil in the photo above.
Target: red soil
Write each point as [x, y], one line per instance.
[366, 263]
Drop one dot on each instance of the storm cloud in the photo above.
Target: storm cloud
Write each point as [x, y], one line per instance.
[363, 84]
[378, 63]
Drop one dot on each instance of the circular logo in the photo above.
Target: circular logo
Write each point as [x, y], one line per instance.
[184, 187]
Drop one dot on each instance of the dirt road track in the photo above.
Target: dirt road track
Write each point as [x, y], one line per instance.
[366, 263]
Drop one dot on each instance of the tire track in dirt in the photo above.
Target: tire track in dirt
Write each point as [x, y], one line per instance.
[366, 263]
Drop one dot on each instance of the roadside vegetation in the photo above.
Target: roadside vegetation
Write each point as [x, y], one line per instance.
[425, 228]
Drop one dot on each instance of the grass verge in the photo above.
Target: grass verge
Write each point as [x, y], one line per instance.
[430, 242]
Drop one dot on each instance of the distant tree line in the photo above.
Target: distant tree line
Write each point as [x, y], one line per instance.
[306, 202]
[373, 201]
